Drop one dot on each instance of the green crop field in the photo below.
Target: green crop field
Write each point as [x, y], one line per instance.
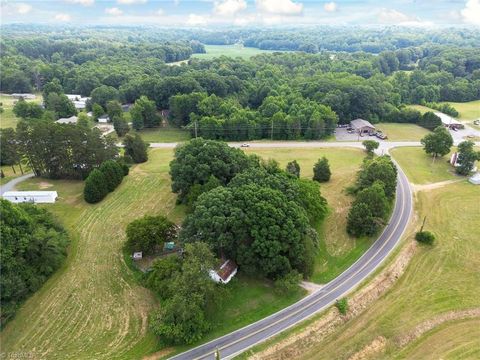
[214, 51]
[402, 132]
[337, 250]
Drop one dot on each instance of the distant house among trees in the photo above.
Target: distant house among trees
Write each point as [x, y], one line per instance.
[361, 126]
[104, 119]
[36, 197]
[70, 120]
[225, 272]
[25, 96]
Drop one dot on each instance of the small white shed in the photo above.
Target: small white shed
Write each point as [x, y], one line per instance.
[224, 273]
[40, 197]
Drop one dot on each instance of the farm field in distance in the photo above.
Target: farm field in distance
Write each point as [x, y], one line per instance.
[439, 282]
[214, 51]
[8, 118]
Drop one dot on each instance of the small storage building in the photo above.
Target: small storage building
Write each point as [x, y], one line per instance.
[103, 119]
[71, 120]
[37, 197]
[361, 126]
[225, 272]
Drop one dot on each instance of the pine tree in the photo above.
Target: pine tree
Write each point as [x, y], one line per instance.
[113, 174]
[321, 170]
[95, 187]
[136, 148]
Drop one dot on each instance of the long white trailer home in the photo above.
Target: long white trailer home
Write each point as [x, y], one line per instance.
[39, 197]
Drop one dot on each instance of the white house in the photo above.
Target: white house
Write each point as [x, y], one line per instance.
[103, 119]
[224, 273]
[73, 97]
[24, 96]
[70, 120]
[40, 197]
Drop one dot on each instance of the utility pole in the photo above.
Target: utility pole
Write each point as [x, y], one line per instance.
[271, 132]
[195, 123]
[423, 224]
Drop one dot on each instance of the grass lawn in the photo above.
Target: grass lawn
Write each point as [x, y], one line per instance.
[8, 118]
[402, 132]
[10, 174]
[337, 250]
[167, 134]
[93, 307]
[455, 340]
[468, 110]
[419, 167]
[439, 279]
[214, 51]
[421, 108]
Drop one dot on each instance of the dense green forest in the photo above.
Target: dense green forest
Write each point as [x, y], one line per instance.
[288, 95]
[33, 246]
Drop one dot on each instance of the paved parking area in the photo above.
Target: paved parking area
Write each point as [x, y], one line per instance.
[341, 134]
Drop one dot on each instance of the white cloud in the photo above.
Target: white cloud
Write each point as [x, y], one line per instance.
[160, 12]
[131, 2]
[114, 11]
[330, 7]
[196, 20]
[63, 17]
[244, 20]
[176, 2]
[22, 8]
[228, 7]
[471, 12]
[284, 7]
[394, 17]
[81, 2]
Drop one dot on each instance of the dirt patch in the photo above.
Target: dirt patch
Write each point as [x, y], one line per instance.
[44, 185]
[158, 355]
[310, 287]
[375, 347]
[428, 325]
[433, 186]
[300, 342]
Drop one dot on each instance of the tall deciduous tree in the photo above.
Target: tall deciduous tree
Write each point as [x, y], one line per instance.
[370, 146]
[466, 157]
[438, 143]
[293, 168]
[149, 232]
[144, 114]
[136, 148]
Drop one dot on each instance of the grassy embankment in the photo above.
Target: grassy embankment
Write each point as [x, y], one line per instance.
[440, 279]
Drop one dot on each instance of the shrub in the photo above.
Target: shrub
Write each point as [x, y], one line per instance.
[293, 168]
[321, 170]
[342, 306]
[289, 283]
[95, 187]
[370, 146]
[113, 174]
[425, 237]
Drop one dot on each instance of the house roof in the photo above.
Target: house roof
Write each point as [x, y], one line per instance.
[30, 193]
[71, 120]
[360, 123]
[226, 269]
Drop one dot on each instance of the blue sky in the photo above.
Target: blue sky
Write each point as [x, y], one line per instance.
[202, 13]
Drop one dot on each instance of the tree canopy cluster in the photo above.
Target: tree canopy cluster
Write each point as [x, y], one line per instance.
[149, 233]
[33, 246]
[374, 193]
[103, 180]
[291, 95]
[466, 157]
[437, 143]
[58, 151]
[256, 214]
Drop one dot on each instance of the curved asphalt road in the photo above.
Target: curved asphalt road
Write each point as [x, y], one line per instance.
[238, 341]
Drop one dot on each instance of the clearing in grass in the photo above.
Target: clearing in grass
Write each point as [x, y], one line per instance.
[214, 51]
[402, 132]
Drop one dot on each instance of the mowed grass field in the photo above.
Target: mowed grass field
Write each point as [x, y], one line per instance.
[214, 51]
[439, 280]
[8, 118]
[337, 249]
[402, 132]
[468, 110]
[93, 308]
